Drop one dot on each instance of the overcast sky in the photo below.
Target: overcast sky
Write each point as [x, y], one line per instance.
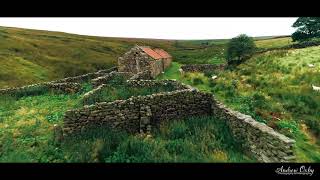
[159, 28]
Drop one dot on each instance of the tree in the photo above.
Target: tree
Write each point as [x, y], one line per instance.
[308, 28]
[240, 47]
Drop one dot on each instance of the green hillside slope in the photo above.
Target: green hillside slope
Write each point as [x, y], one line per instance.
[31, 56]
[276, 88]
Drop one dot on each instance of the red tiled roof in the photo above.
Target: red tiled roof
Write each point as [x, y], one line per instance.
[151, 53]
[162, 53]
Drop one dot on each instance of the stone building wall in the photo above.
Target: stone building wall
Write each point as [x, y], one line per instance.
[134, 61]
[167, 62]
[202, 67]
[156, 67]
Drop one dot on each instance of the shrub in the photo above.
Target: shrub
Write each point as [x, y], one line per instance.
[289, 128]
[197, 81]
[239, 48]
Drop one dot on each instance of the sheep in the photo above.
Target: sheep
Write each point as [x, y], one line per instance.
[315, 88]
[214, 77]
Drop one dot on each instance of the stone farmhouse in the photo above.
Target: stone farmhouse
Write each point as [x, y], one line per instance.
[144, 58]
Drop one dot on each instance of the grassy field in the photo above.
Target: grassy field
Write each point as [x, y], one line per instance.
[26, 135]
[273, 42]
[31, 56]
[274, 88]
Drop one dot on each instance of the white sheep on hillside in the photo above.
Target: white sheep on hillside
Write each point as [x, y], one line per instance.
[214, 77]
[315, 88]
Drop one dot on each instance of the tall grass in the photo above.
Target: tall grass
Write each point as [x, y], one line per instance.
[275, 88]
[202, 139]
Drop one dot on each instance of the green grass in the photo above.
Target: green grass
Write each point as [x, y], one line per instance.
[275, 88]
[273, 42]
[192, 140]
[32, 56]
[26, 126]
[172, 72]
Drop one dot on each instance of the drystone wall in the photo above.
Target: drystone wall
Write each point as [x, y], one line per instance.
[110, 76]
[142, 75]
[258, 139]
[144, 113]
[37, 89]
[89, 97]
[66, 85]
[152, 83]
[156, 67]
[138, 114]
[86, 77]
[202, 67]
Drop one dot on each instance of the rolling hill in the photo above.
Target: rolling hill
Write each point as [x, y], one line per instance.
[273, 87]
[30, 56]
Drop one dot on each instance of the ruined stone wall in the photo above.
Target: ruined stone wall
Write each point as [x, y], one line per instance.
[89, 97]
[109, 77]
[85, 77]
[138, 114]
[142, 75]
[40, 88]
[118, 115]
[257, 139]
[66, 85]
[152, 83]
[144, 113]
[202, 67]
